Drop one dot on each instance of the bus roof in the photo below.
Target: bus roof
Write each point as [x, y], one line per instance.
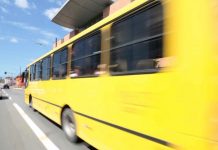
[98, 25]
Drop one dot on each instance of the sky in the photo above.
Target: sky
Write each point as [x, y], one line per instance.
[27, 32]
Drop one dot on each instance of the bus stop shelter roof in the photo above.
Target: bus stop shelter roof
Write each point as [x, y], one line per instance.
[76, 13]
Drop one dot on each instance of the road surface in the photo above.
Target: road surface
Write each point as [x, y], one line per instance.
[23, 129]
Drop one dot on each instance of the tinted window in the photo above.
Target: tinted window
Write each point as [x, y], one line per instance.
[60, 64]
[121, 33]
[46, 63]
[137, 41]
[63, 65]
[32, 72]
[86, 56]
[38, 70]
[25, 77]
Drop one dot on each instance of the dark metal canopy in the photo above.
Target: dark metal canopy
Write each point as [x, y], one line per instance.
[77, 13]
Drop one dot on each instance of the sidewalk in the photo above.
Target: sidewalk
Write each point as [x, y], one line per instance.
[17, 88]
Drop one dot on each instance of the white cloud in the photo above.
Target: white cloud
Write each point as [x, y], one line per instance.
[22, 4]
[14, 40]
[4, 10]
[58, 2]
[50, 13]
[49, 35]
[21, 25]
[67, 29]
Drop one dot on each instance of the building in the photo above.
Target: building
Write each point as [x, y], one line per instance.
[91, 11]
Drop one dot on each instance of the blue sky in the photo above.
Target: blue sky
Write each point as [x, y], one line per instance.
[26, 32]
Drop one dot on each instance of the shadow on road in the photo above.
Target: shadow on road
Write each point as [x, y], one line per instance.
[59, 126]
[4, 98]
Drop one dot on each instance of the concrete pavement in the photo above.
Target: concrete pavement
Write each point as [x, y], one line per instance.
[16, 134]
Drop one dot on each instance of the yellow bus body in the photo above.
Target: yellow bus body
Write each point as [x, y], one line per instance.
[176, 108]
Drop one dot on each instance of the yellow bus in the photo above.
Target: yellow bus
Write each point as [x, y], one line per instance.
[143, 78]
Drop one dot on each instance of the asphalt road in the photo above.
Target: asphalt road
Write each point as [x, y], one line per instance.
[17, 134]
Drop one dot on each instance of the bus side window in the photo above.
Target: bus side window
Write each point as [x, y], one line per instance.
[59, 66]
[26, 77]
[38, 71]
[32, 72]
[46, 63]
[86, 56]
[137, 42]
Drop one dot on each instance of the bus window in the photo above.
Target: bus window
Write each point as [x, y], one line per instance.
[86, 56]
[25, 77]
[136, 42]
[46, 63]
[32, 72]
[63, 65]
[38, 70]
[60, 64]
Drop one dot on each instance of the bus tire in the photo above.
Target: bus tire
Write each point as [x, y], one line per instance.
[31, 103]
[69, 125]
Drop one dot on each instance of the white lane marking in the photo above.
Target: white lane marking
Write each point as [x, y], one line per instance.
[6, 94]
[49, 145]
[3, 91]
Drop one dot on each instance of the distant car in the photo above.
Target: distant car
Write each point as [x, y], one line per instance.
[6, 86]
[0, 93]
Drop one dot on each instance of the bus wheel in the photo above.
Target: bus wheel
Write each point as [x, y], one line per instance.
[31, 102]
[69, 126]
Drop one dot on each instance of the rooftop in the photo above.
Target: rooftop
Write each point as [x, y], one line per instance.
[77, 13]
